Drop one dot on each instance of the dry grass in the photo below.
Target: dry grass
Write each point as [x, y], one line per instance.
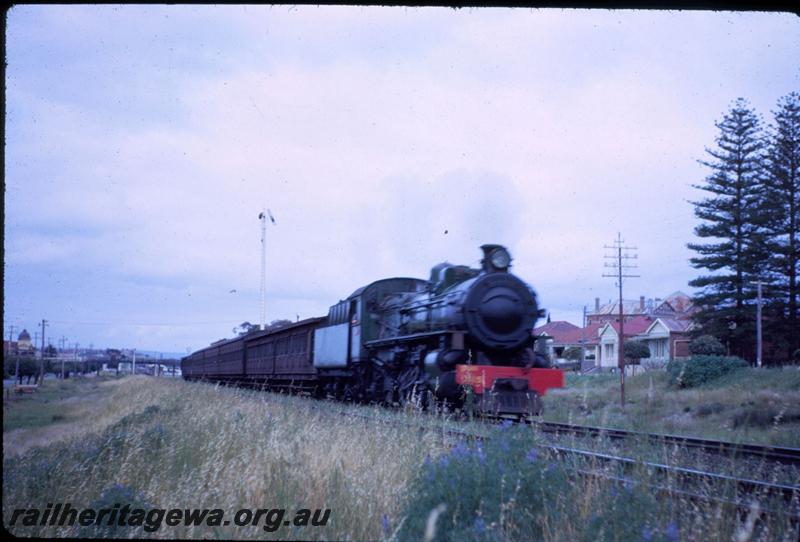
[172, 444]
[49, 419]
[195, 445]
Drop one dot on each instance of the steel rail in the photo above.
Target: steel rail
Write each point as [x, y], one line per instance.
[779, 454]
[743, 486]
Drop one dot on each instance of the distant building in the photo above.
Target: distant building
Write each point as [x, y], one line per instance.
[676, 305]
[23, 346]
[666, 337]
[561, 335]
[662, 324]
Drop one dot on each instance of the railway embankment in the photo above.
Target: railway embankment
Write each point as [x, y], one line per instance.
[172, 444]
[391, 475]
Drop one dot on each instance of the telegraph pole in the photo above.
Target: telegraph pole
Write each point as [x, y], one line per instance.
[583, 338]
[621, 254]
[63, 342]
[758, 323]
[78, 360]
[10, 340]
[43, 325]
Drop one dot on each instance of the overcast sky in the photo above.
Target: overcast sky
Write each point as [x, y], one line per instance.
[142, 142]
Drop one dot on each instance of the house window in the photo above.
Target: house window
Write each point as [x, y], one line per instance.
[658, 348]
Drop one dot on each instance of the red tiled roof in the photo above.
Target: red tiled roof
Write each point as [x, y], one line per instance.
[555, 328]
[634, 326]
[565, 333]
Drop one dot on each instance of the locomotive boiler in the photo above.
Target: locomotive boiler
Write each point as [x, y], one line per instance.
[462, 338]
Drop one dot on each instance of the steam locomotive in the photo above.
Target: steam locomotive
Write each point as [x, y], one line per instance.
[462, 338]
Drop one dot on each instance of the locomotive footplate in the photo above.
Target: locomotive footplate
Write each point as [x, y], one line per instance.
[508, 390]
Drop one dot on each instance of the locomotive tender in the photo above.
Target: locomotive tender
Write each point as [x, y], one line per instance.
[402, 339]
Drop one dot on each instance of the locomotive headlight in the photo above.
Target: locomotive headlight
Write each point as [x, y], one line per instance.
[500, 258]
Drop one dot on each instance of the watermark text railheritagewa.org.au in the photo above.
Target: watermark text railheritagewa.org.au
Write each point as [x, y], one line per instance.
[152, 519]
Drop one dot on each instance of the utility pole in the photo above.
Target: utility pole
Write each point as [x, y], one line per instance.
[583, 338]
[620, 253]
[134, 362]
[10, 340]
[758, 323]
[262, 216]
[63, 342]
[43, 325]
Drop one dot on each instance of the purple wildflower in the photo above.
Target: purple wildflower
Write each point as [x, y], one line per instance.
[480, 525]
[480, 454]
[647, 534]
[672, 532]
[505, 446]
[532, 455]
[460, 450]
[628, 486]
[386, 525]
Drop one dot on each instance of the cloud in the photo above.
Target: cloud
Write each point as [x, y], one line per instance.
[143, 142]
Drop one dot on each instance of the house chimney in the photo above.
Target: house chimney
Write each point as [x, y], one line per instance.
[596, 304]
[641, 303]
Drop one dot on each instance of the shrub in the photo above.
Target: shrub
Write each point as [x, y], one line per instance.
[508, 489]
[796, 356]
[636, 350]
[120, 495]
[706, 345]
[572, 353]
[701, 369]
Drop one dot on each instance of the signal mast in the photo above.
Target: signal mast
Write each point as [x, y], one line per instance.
[262, 216]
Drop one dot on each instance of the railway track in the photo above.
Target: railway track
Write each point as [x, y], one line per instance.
[672, 480]
[778, 454]
[743, 487]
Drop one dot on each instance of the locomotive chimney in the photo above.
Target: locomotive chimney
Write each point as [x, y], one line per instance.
[596, 304]
[641, 303]
[495, 258]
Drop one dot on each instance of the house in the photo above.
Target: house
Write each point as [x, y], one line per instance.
[667, 338]
[676, 305]
[609, 338]
[662, 324]
[561, 335]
